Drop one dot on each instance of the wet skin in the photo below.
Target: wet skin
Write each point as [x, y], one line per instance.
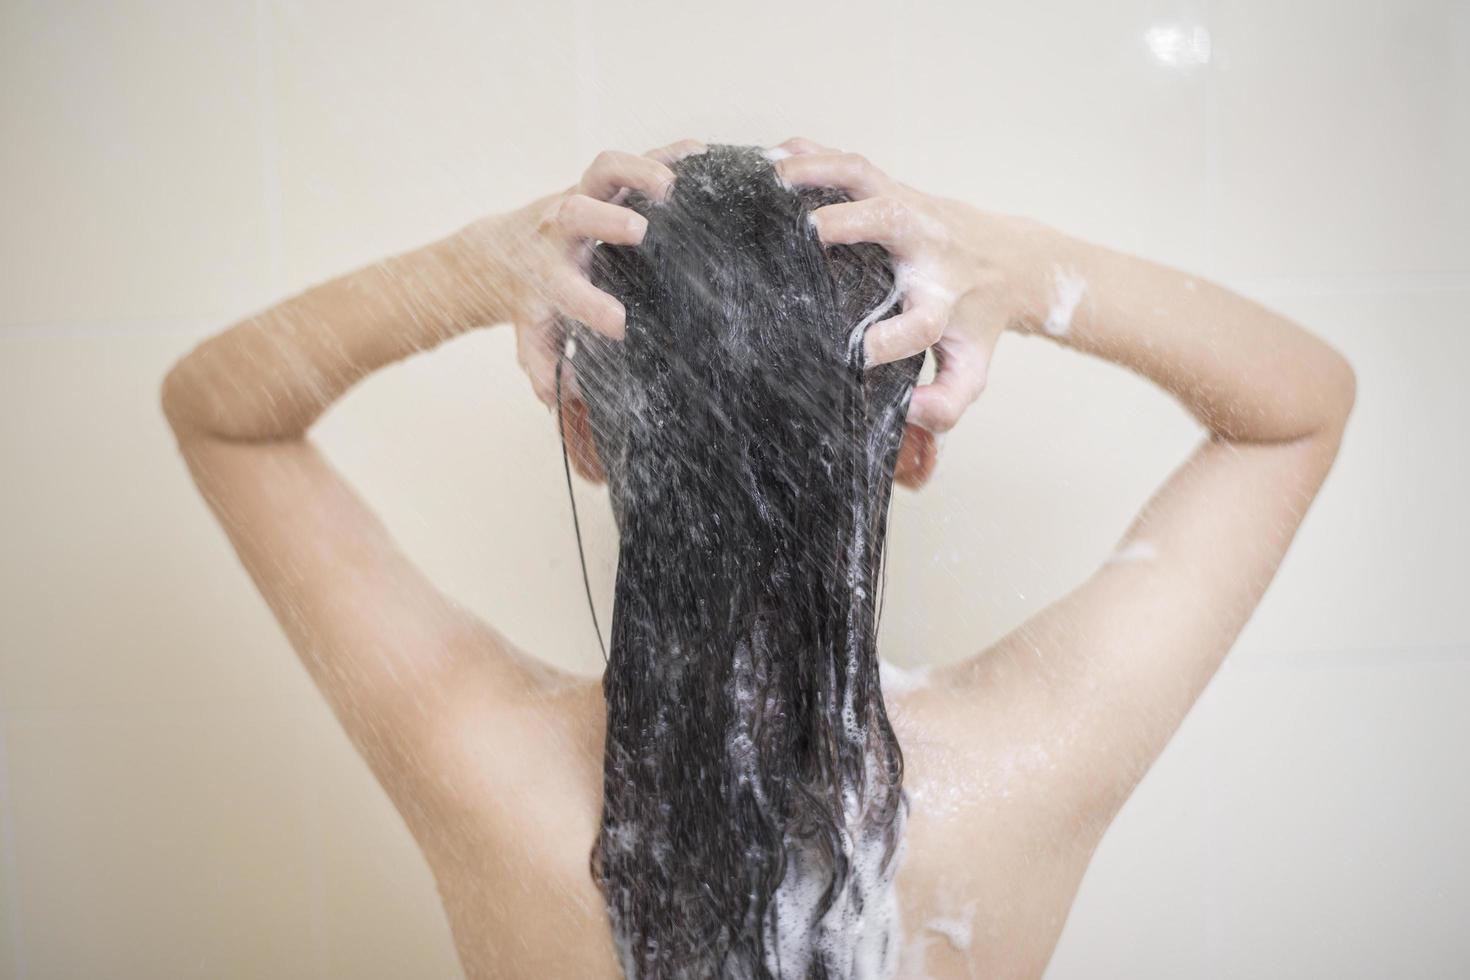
[1018, 758]
[991, 866]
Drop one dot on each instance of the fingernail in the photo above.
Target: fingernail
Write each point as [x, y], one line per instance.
[637, 228]
[662, 182]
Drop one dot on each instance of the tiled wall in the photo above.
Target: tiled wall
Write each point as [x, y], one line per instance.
[175, 800]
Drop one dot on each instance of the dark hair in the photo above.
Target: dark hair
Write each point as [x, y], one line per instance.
[753, 807]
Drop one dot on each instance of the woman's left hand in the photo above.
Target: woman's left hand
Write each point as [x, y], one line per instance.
[961, 271]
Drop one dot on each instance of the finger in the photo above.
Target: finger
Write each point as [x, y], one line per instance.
[916, 329]
[958, 382]
[585, 303]
[798, 146]
[580, 443]
[580, 216]
[676, 151]
[848, 172]
[884, 220]
[569, 386]
[613, 170]
[537, 349]
[917, 456]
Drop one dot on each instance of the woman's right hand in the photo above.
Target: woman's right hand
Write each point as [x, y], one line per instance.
[961, 272]
[537, 257]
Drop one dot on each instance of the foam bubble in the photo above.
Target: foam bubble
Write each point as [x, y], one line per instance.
[1069, 290]
[958, 932]
[911, 279]
[901, 680]
[1134, 551]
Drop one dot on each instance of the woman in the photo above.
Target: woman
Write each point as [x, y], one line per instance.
[708, 815]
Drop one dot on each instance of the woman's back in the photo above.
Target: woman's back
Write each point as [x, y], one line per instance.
[989, 871]
[1014, 762]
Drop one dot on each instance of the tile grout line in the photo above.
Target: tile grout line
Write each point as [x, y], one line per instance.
[270, 144]
[10, 865]
[1369, 284]
[314, 831]
[270, 159]
[1360, 284]
[88, 328]
[1330, 658]
[1212, 134]
[1215, 929]
[586, 76]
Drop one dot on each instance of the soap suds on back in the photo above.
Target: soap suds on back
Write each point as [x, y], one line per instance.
[861, 934]
[959, 932]
[900, 680]
[1134, 551]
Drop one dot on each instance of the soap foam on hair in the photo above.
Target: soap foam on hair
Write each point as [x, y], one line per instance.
[753, 814]
[861, 936]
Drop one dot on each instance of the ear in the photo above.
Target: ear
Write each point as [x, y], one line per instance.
[917, 456]
[581, 447]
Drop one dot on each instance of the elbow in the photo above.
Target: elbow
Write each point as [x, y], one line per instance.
[1342, 391]
[1333, 392]
[174, 399]
[168, 397]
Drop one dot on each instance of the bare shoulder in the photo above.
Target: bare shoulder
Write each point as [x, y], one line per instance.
[525, 764]
[993, 858]
[984, 757]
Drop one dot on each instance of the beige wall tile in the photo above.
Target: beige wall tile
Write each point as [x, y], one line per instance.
[177, 788]
[470, 481]
[737, 73]
[132, 169]
[162, 843]
[1063, 113]
[13, 961]
[1304, 805]
[399, 123]
[1003, 529]
[1018, 107]
[1345, 138]
[119, 587]
[1379, 562]
[381, 916]
[1336, 797]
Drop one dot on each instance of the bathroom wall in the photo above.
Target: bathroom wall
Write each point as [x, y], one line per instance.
[175, 799]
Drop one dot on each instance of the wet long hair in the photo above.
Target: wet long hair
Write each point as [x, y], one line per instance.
[753, 808]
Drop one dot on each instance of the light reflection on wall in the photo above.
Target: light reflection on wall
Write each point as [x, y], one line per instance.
[1180, 46]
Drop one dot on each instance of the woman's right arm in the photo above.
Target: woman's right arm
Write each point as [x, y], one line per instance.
[1102, 678]
[395, 658]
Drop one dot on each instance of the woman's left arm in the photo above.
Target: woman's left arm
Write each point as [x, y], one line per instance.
[1095, 684]
[393, 656]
